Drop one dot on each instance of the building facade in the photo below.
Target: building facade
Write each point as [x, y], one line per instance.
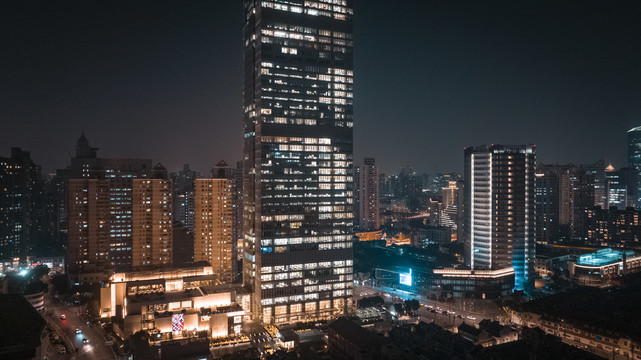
[183, 196]
[99, 209]
[174, 304]
[634, 156]
[370, 200]
[20, 192]
[298, 182]
[213, 226]
[152, 223]
[500, 197]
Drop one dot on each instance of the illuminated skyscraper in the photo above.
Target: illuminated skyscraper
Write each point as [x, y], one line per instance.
[213, 225]
[634, 155]
[20, 186]
[298, 158]
[500, 209]
[370, 201]
[99, 209]
[152, 223]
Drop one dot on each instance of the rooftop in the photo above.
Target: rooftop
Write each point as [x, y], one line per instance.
[604, 257]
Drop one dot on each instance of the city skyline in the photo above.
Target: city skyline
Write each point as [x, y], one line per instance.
[473, 62]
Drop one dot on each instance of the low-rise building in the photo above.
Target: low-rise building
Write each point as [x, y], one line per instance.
[171, 304]
[477, 284]
[488, 333]
[604, 266]
[601, 321]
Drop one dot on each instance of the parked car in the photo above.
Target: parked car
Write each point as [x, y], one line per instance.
[63, 350]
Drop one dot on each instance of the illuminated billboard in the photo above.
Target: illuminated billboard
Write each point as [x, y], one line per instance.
[406, 278]
[177, 322]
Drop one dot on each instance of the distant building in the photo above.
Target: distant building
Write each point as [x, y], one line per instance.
[613, 227]
[20, 192]
[547, 206]
[621, 187]
[237, 221]
[563, 193]
[634, 156]
[183, 245]
[183, 196]
[213, 225]
[152, 223]
[500, 209]
[451, 214]
[370, 201]
[604, 266]
[99, 209]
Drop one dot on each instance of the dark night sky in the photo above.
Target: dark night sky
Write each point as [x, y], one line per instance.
[162, 80]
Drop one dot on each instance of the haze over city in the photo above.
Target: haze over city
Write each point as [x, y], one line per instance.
[163, 80]
[320, 180]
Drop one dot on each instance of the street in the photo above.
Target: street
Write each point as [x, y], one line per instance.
[94, 349]
[475, 310]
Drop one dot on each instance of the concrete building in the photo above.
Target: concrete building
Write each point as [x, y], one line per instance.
[213, 226]
[20, 185]
[370, 201]
[99, 209]
[613, 227]
[174, 304]
[152, 223]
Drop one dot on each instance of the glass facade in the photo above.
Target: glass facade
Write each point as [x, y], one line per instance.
[298, 196]
[634, 156]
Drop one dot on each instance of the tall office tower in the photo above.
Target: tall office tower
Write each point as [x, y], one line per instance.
[547, 204]
[357, 198]
[621, 187]
[597, 171]
[213, 226]
[500, 209]
[298, 158]
[634, 156]
[451, 207]
[183, 196]
[237, 221]
[152, 223]
[370, 200]
[20, 188]
[99, 209]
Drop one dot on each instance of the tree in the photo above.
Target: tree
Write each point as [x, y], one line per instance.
[411, 305]
[399, 309]
[60, 283]
[370, 301]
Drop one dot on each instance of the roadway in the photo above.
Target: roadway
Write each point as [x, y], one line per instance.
[470, 311]
[259, 338]
[66, 329]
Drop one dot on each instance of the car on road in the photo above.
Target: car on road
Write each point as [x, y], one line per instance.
[62, 350]
[85, 341]
[471, 317]
[63, 317]
[78, 331]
